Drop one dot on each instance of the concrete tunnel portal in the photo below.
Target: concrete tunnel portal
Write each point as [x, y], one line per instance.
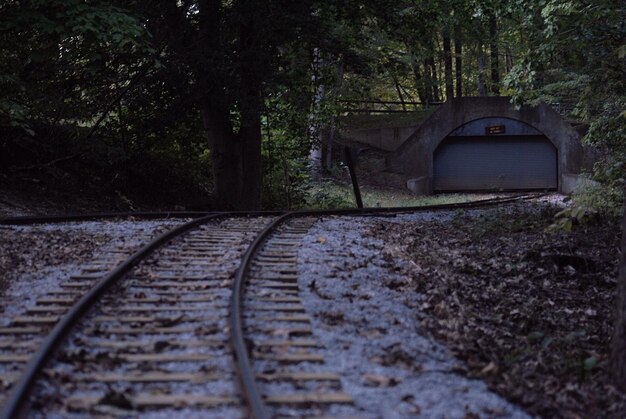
[486, 144]
[495, 154]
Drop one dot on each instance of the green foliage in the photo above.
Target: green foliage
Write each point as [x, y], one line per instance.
[326, 195]
[52, 51]
[603, 198]
[574, 57]
[62, 62]
[284, 183]
[284, 151]
[591, 200]
[607, 133]
[566, 219]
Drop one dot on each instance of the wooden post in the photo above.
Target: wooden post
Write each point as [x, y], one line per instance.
[347, 155]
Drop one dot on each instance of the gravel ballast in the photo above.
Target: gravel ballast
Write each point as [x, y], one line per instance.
[371, 330]
[34, 259]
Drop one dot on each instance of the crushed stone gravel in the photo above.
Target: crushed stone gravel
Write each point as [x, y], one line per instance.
[35, 259]
[371, 330]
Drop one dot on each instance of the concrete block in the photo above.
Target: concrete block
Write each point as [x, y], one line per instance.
[419, 186]
[571, 181]
[568, 183]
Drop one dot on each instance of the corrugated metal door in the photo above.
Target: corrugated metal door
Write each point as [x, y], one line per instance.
[502, 163]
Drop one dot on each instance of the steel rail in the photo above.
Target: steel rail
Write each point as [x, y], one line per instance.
[250, 389]
[257, 406]
[36, 219]
[15, 403]
[146, 215]
[18, 397]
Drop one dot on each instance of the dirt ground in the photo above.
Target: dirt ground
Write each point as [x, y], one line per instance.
[527, 309]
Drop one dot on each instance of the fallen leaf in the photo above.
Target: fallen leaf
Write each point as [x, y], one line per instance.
[376, 380]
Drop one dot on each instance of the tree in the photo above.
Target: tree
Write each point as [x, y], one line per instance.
[232, 51]
[618, 346]
[447, 53]
[52, 51]
[574, 55]
[493, 51]
[458, 61]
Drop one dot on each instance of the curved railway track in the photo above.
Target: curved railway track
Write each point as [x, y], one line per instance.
[156, 334]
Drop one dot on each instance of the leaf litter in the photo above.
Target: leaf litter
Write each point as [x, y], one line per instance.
[528, 309]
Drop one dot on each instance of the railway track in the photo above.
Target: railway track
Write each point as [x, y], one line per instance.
[203, 321]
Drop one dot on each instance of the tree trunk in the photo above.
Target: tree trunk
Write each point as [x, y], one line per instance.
[494, 55]
[419, 82]
[399, 91]
[236, 157]
[251, 179]
[328, 147]
[447, 57]
[458, 61]
[250, 103]
[618, 346]
[428, 81]
[434, 80]
[225, 158]
[481, 71]
[327, 160]
[508, 60]
[315, 161]
[251, 174]
[316, 132]
[224, 145]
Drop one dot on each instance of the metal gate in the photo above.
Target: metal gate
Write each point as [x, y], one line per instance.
[495, 163]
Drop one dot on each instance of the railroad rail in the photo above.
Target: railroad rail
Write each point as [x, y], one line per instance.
[173, 338]
[65, 218]
[155, 215]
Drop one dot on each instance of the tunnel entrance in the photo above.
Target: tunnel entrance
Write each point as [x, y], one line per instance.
[495, 154]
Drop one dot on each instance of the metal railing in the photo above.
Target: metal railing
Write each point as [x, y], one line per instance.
[384, 106]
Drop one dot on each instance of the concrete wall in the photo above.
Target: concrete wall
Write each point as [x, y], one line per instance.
[388, 139]
[414, 158]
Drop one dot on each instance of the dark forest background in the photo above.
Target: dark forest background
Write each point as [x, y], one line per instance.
[236, 104]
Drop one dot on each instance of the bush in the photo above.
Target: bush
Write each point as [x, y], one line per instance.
[606, 198]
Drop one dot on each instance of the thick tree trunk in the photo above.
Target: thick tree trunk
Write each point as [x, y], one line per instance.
[236, 157]
[458, 61]
[225, 158]
[251, 175]
[494, 54]
[225, 146]
[250, 136]
[447, 58]
[618, 348]
[250, 101]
